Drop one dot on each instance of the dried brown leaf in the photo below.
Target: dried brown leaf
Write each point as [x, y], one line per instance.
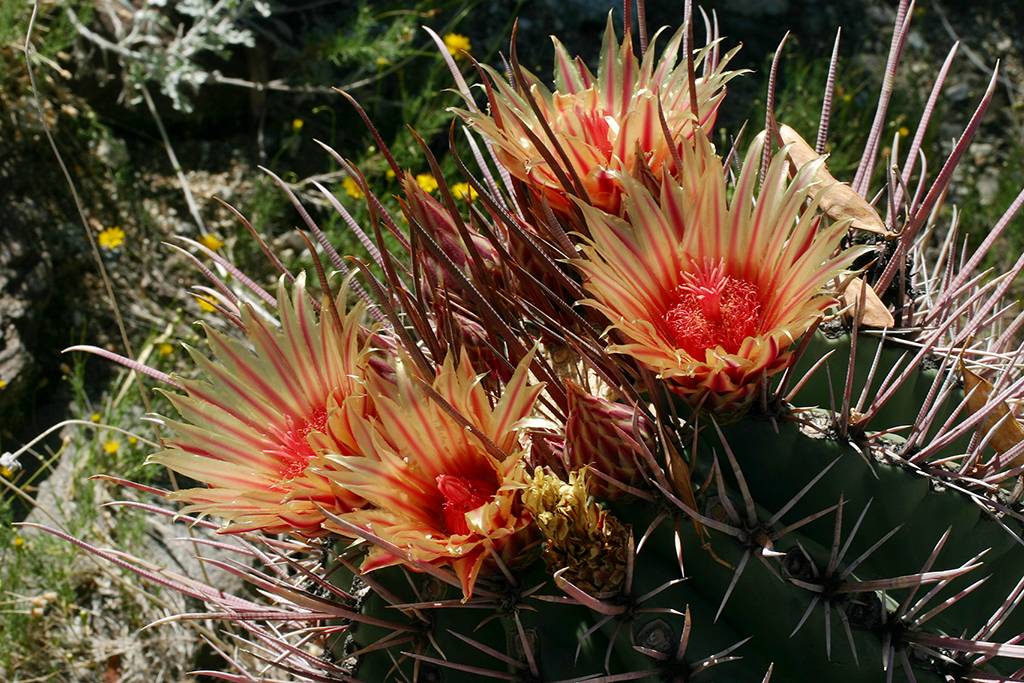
[873, 312]
[839, 201]
[1009, 433]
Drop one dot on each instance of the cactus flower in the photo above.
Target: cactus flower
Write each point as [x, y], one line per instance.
[444, 494]
[708, 291]
[255, 430]
[601, 123]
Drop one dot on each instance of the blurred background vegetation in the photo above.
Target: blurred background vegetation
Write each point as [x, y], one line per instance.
[160, 108]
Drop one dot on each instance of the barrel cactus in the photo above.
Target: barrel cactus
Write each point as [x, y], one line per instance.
[636, 408]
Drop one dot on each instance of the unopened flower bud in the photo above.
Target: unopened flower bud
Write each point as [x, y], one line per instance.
[598, 435]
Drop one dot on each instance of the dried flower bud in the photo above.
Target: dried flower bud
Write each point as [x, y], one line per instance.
[582, 537]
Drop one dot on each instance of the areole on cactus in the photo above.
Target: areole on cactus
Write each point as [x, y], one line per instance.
[633, 437]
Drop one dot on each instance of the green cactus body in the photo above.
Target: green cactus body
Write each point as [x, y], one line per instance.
[764, 605]
[777, 459]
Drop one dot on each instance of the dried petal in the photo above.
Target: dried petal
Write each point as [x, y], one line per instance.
[1009, 433]
[873, 312]
[839, 202]
[584, 540]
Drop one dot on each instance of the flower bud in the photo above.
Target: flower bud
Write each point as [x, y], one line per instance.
[597, 436]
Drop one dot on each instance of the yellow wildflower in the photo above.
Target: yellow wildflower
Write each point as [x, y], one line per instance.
[389, 174]
[457, 44]
[426, 181]
[166, 349]
[111, 446]
[19, 542]
[352, 188]
[464, 190]
[382, 62]
[297, 125]
[111, 238]
[6, 473]
[132, 440]
[904, 132]
[3, 383]
[206, 304]
[211, 242]
[95, 417]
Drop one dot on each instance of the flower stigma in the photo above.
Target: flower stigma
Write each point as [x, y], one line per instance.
[711, 309]
[460, 496]
[294, 450]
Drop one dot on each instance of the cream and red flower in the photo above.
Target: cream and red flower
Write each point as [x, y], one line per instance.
[442, 494]
[709, 288]
[601, 123]
[256, 429]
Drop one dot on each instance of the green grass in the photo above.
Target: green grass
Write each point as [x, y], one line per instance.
[54, 596]
[407, 94]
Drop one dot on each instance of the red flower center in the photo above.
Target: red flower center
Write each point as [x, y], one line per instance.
[294, 451]
[460, 496]
[711, 309]
[596, 129]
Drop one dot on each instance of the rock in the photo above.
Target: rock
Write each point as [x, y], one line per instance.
[959, 92]
[58, 499]
[981, 152]
[111, 609]
[26, 286]
[111, 151]
[987, 187]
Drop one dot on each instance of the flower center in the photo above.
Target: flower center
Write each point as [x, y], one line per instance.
[599, 129]
[460, 496]
[294, 452]
[711, 309]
